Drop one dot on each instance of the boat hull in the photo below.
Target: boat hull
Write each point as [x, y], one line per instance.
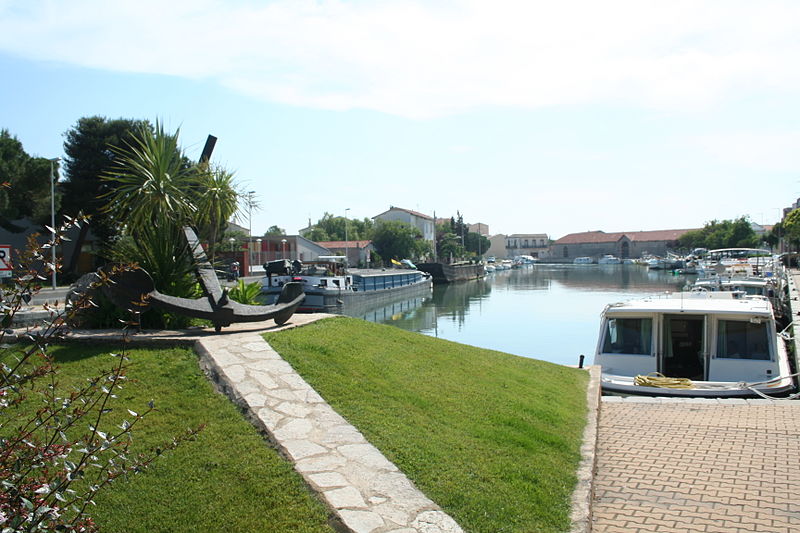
[332, 300]
[624, 386]
[443, 273]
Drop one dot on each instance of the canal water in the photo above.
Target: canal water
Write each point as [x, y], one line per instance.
[548, 312]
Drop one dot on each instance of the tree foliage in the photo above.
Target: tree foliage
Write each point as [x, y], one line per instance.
[448, 245]
[736, 233]
[773, 237]
[28, 192]
[331, 228]
[89, 150]
[476, 243]
[455, 241]
[791, 227]
[398, 240]
[274, 231]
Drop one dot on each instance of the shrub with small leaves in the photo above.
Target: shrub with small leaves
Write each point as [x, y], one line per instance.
[56, 451]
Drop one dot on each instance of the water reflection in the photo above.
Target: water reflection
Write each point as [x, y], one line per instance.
[549, 312]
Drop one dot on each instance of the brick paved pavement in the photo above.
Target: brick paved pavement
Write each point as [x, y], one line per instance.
[700, 465]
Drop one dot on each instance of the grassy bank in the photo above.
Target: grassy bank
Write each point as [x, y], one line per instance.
[227, 479]
[492, 438]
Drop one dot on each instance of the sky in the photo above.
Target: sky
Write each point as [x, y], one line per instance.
[527, 116]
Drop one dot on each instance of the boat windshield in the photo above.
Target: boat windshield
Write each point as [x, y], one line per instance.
[737, 339]
[322, 268]
[628, 336]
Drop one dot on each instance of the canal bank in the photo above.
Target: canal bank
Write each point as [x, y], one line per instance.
[651, 465]
[293, 417]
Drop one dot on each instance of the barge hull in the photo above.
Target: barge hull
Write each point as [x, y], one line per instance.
[442, 273]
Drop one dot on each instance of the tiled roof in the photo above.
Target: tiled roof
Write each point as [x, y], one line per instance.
[594, 237]
[415, 213]
[341, 244]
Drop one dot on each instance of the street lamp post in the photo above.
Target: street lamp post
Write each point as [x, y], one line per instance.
[346, 258]
[258, 241]
[283, 248]
[250, 229]
[250, 213]
[53, 172]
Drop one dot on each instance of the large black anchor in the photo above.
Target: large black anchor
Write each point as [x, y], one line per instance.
[136, 287]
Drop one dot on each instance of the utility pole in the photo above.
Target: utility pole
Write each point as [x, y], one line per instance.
[346, 255]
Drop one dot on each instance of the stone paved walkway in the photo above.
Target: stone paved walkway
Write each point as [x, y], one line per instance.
[699, 465]
[367, 492]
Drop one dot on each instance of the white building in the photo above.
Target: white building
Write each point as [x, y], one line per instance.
[533, 244]
[423, 223]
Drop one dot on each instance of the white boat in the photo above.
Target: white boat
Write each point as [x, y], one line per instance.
[583, 261]
[740, 262]
[489, 268]
[524, 260]
[717, 344]
[773, 289]
[608, 259]
[328, 285]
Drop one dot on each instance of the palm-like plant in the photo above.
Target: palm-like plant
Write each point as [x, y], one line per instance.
[150, 181]
[151, 184]
[155, 192]
[215, 200]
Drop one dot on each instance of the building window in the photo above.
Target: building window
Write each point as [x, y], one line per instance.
[566, 253]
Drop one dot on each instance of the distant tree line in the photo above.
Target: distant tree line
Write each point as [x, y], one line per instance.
[736, 233]
[25, 191]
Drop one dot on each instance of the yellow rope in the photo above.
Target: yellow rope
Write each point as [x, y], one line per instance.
[657, 379]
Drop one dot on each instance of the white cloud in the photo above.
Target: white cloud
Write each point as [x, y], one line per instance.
[422, 58]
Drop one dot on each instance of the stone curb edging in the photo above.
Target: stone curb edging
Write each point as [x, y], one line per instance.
[582, 496]
[367, 492]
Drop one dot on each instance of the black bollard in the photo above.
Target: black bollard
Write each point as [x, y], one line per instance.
[580, 361]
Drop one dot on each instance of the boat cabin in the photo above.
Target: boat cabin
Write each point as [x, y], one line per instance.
[703, 336]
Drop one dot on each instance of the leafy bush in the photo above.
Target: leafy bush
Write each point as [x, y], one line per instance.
[246, 293]
[56, 452]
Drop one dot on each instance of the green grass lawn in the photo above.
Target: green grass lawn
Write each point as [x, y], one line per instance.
[492, 438]
[227, 479]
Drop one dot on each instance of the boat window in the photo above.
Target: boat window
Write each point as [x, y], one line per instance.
[628, 336]
[737, 339]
